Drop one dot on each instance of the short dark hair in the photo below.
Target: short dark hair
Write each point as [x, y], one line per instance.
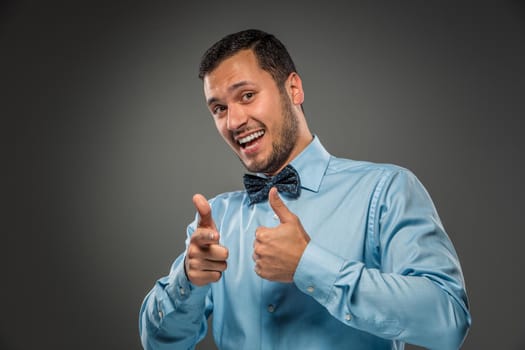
[271, 54]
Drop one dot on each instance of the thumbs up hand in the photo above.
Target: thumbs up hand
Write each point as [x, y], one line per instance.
[277, 250]
[205, 258]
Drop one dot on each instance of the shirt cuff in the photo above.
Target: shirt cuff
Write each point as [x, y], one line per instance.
[317, 272]
[181, 290]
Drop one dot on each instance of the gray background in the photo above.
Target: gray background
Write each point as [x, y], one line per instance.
[108, 138]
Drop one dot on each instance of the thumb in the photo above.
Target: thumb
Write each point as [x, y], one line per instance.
[278, 206]
[204, 210]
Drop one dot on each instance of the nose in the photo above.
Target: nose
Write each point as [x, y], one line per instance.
[236, 117]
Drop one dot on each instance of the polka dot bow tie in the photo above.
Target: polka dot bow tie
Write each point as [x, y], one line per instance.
[287, 181]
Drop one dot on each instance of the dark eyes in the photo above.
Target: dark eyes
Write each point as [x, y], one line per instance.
[244, 98]
[218, 109]
[247, 96]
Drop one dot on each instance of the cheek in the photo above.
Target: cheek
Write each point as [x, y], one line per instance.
[257, 109]
[223, 131]
[265, 111]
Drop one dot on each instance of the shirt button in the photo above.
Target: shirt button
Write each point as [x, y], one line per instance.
[161, 315]
[310, 289]
[348, 317]
[275, 217]
[271, 308]
[182, 291]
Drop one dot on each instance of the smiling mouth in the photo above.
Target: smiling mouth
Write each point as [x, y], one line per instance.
[247, 140]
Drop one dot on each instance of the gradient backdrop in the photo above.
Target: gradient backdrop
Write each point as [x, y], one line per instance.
[108, 138]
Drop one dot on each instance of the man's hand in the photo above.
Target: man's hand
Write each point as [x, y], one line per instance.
[206, 258]
[277, 250]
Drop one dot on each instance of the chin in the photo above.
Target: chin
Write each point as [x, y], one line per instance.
[252, 167]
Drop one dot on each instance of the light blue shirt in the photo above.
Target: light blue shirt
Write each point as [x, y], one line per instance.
[379, 270]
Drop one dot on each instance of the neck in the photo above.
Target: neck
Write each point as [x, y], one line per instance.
[301, 144]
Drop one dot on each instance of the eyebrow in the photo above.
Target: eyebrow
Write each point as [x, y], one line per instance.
[231, 88]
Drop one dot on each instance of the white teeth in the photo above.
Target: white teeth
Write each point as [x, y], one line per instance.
[251, 137]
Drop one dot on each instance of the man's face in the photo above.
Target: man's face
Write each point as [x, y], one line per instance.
[251, 113]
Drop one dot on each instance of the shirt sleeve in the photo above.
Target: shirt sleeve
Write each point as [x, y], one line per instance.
[416, 294]
[174, 313]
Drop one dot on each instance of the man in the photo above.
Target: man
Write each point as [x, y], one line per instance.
[318, 252]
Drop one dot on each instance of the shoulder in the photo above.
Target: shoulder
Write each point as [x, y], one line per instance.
[366, 169]
[228, 200]
[381, 180]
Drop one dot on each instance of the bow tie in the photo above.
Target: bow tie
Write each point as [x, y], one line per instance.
[287, 181]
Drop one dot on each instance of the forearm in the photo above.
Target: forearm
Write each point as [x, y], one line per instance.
[413, 309]
[173, 314]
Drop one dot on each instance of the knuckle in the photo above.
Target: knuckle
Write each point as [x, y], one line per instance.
[191, 252]
[196, 233]
[260, 235]
[192, 276]
[224, 253]
[260, 271]
[216, 275]
[203, 235]
[218, 252]
[192, 265]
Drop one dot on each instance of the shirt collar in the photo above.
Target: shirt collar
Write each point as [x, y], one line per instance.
[311, 164]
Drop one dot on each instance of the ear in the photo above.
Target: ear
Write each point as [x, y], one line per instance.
[294, 86]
